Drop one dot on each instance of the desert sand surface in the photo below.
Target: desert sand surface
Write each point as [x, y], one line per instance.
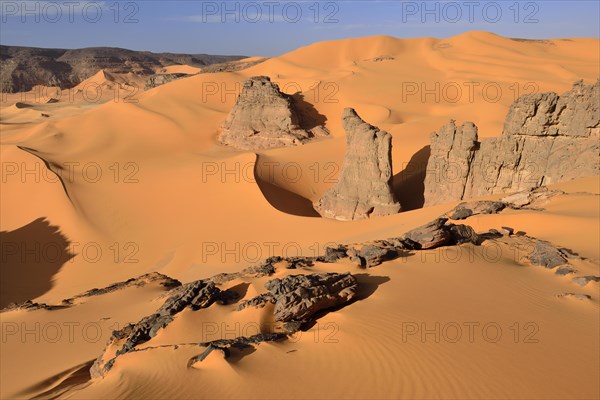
[140, 185]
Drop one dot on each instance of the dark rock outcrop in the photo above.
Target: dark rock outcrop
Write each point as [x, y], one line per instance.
[546, 139]
[364, 185]
[231, 66]
[264, 268]
[300, 297]
[161, 79]
[264, 117]
[195, 295]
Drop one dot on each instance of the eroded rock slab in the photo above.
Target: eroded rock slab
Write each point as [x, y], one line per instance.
[530, 198]
[467, 209]
[546, 255]
[430, 235]
[364, 185]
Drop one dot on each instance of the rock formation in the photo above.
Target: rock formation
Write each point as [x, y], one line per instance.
[364, 185]
[546, 139]
[264, 117]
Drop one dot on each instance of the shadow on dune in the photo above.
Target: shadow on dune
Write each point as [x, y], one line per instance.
[368, 284]
[30, 257]
[237, 292]
[308, 114]
[286, 201]
[52, 167]
[409, 185]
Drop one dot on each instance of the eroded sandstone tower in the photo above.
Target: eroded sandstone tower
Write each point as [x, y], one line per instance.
[364, 185]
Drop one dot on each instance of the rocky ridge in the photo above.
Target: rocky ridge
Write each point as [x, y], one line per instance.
[546, 139]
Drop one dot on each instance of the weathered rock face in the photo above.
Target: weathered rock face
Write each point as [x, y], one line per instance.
[452, 152]
[364, 185]
[264, 117]
[546, 139]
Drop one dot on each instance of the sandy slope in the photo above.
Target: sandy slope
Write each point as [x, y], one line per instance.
[169, 199]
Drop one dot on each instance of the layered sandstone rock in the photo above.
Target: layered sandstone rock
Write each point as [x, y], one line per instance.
[264, 117]
[364, 185]
[546, 139]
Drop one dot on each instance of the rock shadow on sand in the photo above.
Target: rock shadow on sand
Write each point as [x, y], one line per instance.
[310, 118]
[409, 184]
[286, 201]
[31, 256]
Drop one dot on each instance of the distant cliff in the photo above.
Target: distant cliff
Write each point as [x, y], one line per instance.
[21, 68]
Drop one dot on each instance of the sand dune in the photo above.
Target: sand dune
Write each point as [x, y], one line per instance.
[145, 183]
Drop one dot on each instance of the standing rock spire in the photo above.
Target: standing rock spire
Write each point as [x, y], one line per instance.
[364, 185]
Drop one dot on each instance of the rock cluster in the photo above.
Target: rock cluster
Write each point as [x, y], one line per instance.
[546, 139]
[298, 300]
[364, 185]
[264, 117]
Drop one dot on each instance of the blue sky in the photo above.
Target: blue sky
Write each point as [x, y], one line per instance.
[270, 28]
